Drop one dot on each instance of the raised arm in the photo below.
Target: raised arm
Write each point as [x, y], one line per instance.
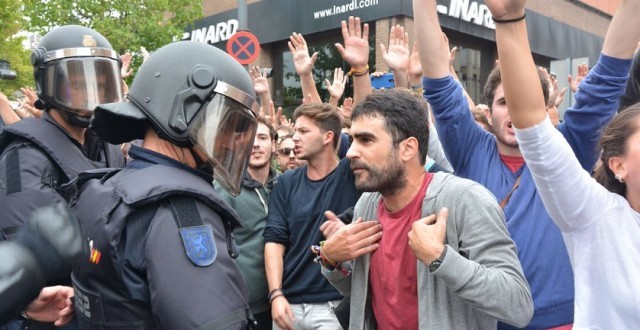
[624, 31]
[261, 85]
[304, 65]
[6, 113]
[519, 74]
[356, 52]
[435, 63]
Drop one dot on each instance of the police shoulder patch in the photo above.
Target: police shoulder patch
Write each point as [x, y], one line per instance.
[199, 244]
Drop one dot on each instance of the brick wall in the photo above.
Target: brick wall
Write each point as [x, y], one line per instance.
[572, 14]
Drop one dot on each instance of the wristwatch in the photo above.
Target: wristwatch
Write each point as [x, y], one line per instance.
[433, 266]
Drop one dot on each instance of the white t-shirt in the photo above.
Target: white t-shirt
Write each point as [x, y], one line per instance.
[600, 229]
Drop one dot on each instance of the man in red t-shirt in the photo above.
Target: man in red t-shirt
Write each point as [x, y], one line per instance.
[413, 270]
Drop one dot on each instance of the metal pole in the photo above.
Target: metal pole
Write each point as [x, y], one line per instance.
[242, 15]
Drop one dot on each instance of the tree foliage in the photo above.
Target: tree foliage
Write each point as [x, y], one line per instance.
[11, 49]
[127, 24]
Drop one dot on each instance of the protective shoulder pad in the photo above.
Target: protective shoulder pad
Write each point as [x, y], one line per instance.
[162, 182]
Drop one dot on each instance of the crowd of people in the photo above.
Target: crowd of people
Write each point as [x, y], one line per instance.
[188, 200]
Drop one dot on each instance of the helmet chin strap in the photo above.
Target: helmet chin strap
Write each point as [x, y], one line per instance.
[201, 165]
[76, 120]
[69, 116]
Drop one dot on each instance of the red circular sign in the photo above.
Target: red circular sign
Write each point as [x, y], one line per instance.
[244, 47]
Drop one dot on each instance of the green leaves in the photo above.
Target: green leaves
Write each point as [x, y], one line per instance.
[127, 24]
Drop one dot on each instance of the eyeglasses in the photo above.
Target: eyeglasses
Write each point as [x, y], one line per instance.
[285, 151]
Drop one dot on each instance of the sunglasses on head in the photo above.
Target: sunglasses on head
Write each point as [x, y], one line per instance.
[285, 151]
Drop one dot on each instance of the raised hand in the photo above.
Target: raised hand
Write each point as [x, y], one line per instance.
[451, 52]
[125, 70]
[301, 59]
[28, 105]
[356, 43]
[426, 238]
[30, 95]
[415, 68]
[145, 54]
[286, 121]
[260, 82]
[347, 108]
[583, 70]
[274, 117]
[336, 89]
[506, 9]
[397, 56]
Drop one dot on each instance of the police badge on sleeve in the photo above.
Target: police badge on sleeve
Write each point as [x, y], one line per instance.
[199, 244]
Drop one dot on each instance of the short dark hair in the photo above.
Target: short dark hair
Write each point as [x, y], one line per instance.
[404, 115]
[325, 116]
[495, 79]
[272, 132]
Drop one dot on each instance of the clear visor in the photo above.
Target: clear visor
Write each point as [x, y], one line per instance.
[224, 133]
[81, 83]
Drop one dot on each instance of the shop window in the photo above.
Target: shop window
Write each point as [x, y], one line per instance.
[467, 66]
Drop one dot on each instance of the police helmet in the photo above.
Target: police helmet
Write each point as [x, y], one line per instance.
[75, 69]
[193, 95]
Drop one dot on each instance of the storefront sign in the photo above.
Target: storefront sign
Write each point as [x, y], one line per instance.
[213, 33]
[468, 11]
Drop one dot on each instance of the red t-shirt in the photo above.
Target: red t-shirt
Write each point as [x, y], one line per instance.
[513, 162]
[393, 271]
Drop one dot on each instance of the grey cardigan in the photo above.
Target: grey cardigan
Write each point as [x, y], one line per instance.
[480, 280]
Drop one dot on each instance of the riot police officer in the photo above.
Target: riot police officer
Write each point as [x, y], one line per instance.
[161, 242]
[75, 68]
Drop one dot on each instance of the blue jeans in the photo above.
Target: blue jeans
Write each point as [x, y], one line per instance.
[317, 316]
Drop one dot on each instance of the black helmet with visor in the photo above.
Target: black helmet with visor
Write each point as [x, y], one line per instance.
[193, 95]
[75, 69]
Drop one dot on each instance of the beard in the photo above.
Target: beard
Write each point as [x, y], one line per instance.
[387, 180]
[501, 135]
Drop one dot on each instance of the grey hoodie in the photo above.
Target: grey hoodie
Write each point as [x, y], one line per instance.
[480, 280]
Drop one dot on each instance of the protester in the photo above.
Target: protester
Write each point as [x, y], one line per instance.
[286, 156]
[296, 213]
[252, 205]
[406, 259]
[496, 161]
[599, 224]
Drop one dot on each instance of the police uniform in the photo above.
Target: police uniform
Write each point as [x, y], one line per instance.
[161, 242]
[37, 158]
[161, 250]
[75, 68]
